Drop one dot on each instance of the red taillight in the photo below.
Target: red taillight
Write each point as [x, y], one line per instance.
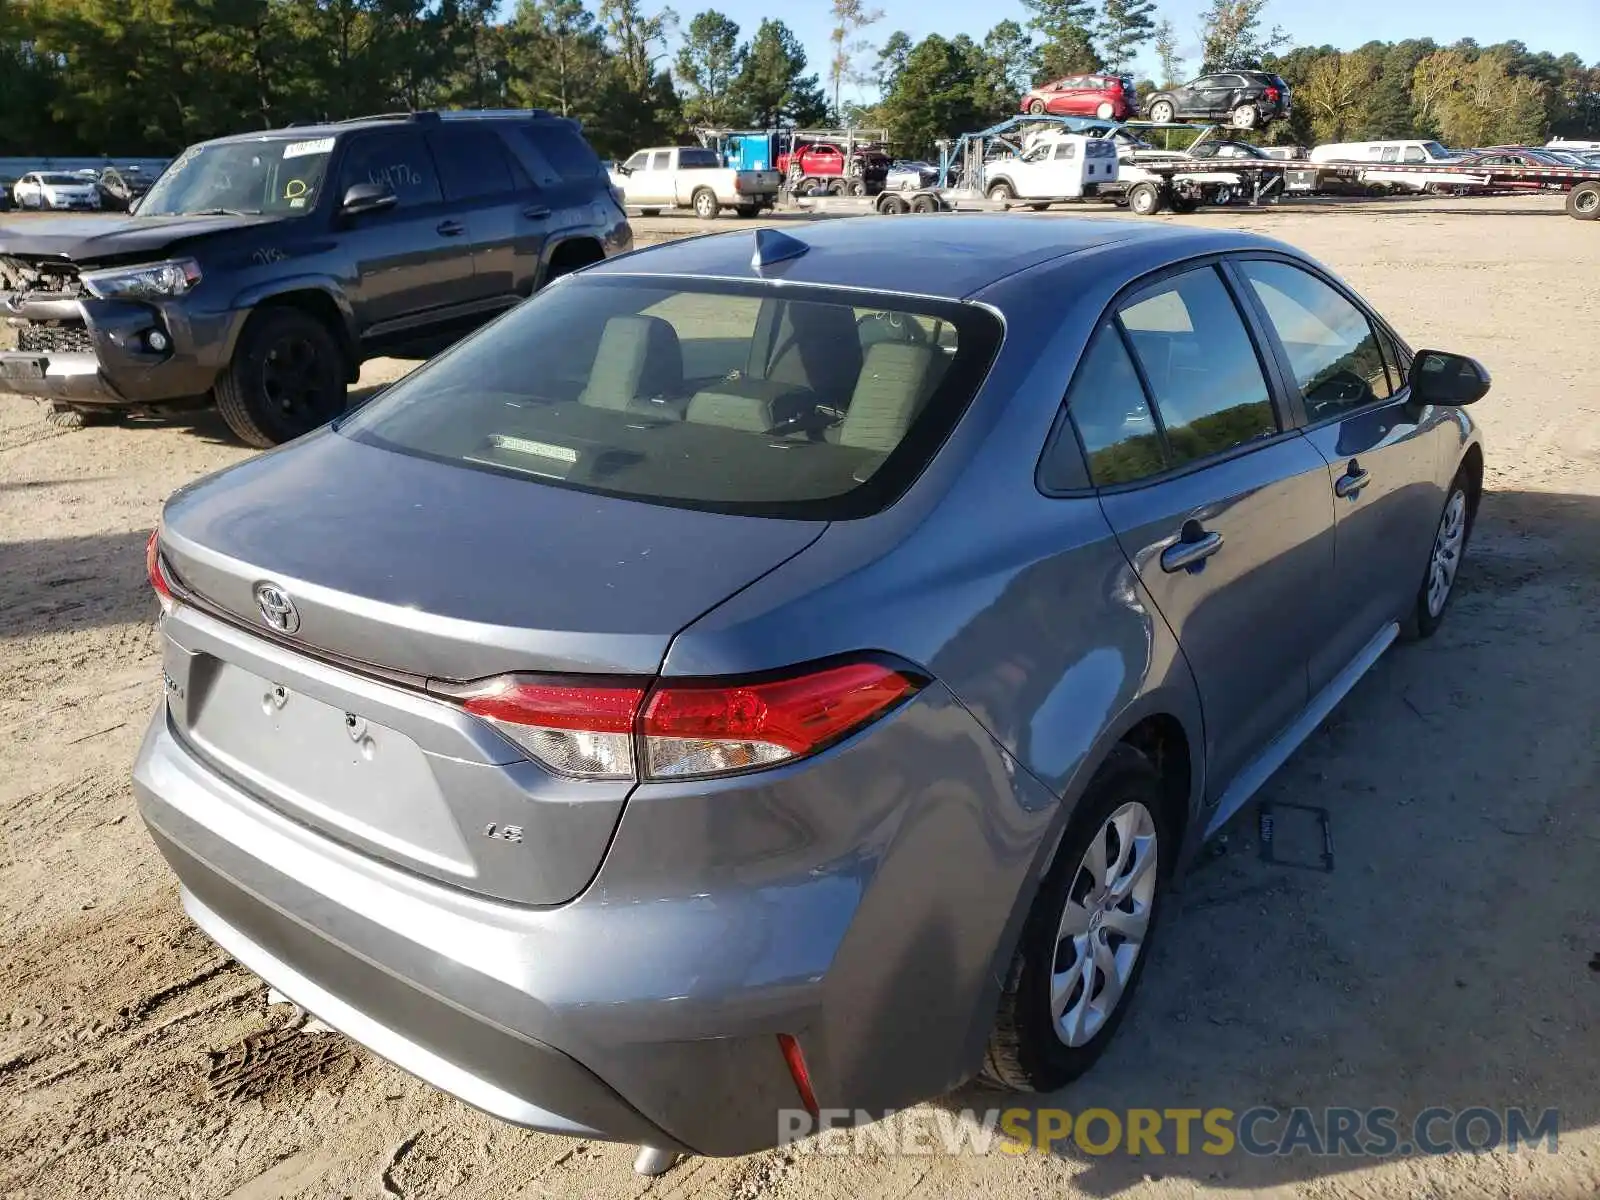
[158, 576]
[1272, 94]
[798, 1072]
[710, 728]
[589, 729]
[577, 728]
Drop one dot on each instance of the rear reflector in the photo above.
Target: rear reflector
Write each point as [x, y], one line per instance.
[798, 1072]
[158, 575]
[588, 729]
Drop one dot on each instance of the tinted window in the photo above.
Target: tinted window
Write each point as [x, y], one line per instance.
[1108, 406]
[471, 162]
[399, 159]
[1396, 360]
[791, 402]
[697, 159]
[563, 147]
[1332, 349]
[1201, 365]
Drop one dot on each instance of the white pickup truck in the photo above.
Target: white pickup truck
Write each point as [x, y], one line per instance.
[1064, 167]
[692, 177]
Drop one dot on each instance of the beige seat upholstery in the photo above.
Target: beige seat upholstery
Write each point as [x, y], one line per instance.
[638, 361]
[896, 380]
[756, 405]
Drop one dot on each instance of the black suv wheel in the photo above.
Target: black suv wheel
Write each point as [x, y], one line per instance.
[287, 377]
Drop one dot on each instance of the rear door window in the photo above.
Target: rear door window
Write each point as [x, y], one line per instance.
[398, 159]
[472, 163]
[1109, 409]
[743, 398]
[1201, 366]
[563, 148]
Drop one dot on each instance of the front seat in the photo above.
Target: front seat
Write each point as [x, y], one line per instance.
[808, 345]
[639, 366]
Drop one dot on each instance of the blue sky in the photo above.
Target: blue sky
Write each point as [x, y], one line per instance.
[1555, 25]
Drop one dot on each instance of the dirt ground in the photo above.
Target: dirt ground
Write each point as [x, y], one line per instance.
[1445, 961]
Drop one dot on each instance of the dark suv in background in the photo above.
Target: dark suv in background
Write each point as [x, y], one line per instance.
[261, 270]
[1246, 99]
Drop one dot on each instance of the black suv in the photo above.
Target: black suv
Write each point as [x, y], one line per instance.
[1246, 99]
[261, 270]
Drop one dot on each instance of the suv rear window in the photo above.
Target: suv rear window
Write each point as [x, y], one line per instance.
[563, 147]
[796, 402]
[690, 159]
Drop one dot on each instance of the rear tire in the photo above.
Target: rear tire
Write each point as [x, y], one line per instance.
[1038, 207]
[1583, 202]
[287, 378]
[1162, 112]
[746, 211]
[705, 204]
[838, 187]
[649, 212]
[1031, 1047]
[1144, 199]
[1246, 117]
[893, 206]
[924, 204]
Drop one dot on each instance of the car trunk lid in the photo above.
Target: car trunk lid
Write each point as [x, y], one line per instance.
[400, 570]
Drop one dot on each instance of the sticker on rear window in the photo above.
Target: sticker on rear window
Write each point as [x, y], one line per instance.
[501, 441]
[301, 149]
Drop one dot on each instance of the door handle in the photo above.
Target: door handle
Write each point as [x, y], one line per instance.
[450, 228]
[536, 212]
[1348, 486]
[1180, 556]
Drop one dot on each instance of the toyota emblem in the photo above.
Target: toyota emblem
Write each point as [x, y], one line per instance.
[277, 610]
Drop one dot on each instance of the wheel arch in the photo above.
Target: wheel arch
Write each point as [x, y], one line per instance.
[564, 255]
[318, 298]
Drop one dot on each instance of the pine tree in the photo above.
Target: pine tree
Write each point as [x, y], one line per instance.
[708, 63]
[1125, 25]
[1065, 28]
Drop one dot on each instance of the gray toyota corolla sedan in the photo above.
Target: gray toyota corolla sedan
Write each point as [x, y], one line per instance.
[779, 671]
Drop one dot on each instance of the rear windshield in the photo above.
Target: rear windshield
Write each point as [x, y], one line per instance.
[808, 403]
[694, 159]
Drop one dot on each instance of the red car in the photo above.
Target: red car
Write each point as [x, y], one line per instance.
[1109, 97]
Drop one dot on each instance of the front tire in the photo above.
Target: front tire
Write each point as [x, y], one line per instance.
[705, 204]
[1036, 107]
[287, 377]
[1087, 937]
[1162, 112]
[1444, 563]
[1002, 192]
[1105, 112]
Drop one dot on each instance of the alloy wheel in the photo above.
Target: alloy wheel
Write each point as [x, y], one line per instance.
[295, 380]
[1447, 544]
[1104, 924]
[1588, 202]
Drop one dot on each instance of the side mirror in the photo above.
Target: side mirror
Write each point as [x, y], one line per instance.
[624, 169]
[1438, 377]
[367, 197]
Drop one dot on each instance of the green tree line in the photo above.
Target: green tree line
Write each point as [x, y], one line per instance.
[151, 76]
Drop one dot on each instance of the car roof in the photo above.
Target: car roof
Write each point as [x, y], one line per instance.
[417, 120]
[950, 256]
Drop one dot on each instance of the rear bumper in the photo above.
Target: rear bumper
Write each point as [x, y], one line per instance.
[817, 901]
[114, 368]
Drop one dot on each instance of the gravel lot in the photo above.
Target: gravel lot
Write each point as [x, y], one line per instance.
[1446, 961]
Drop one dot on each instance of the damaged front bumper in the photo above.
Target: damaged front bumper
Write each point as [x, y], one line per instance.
[111, 353]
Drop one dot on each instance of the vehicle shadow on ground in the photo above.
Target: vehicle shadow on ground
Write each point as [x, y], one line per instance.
[1445, 961]
[70, 584]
